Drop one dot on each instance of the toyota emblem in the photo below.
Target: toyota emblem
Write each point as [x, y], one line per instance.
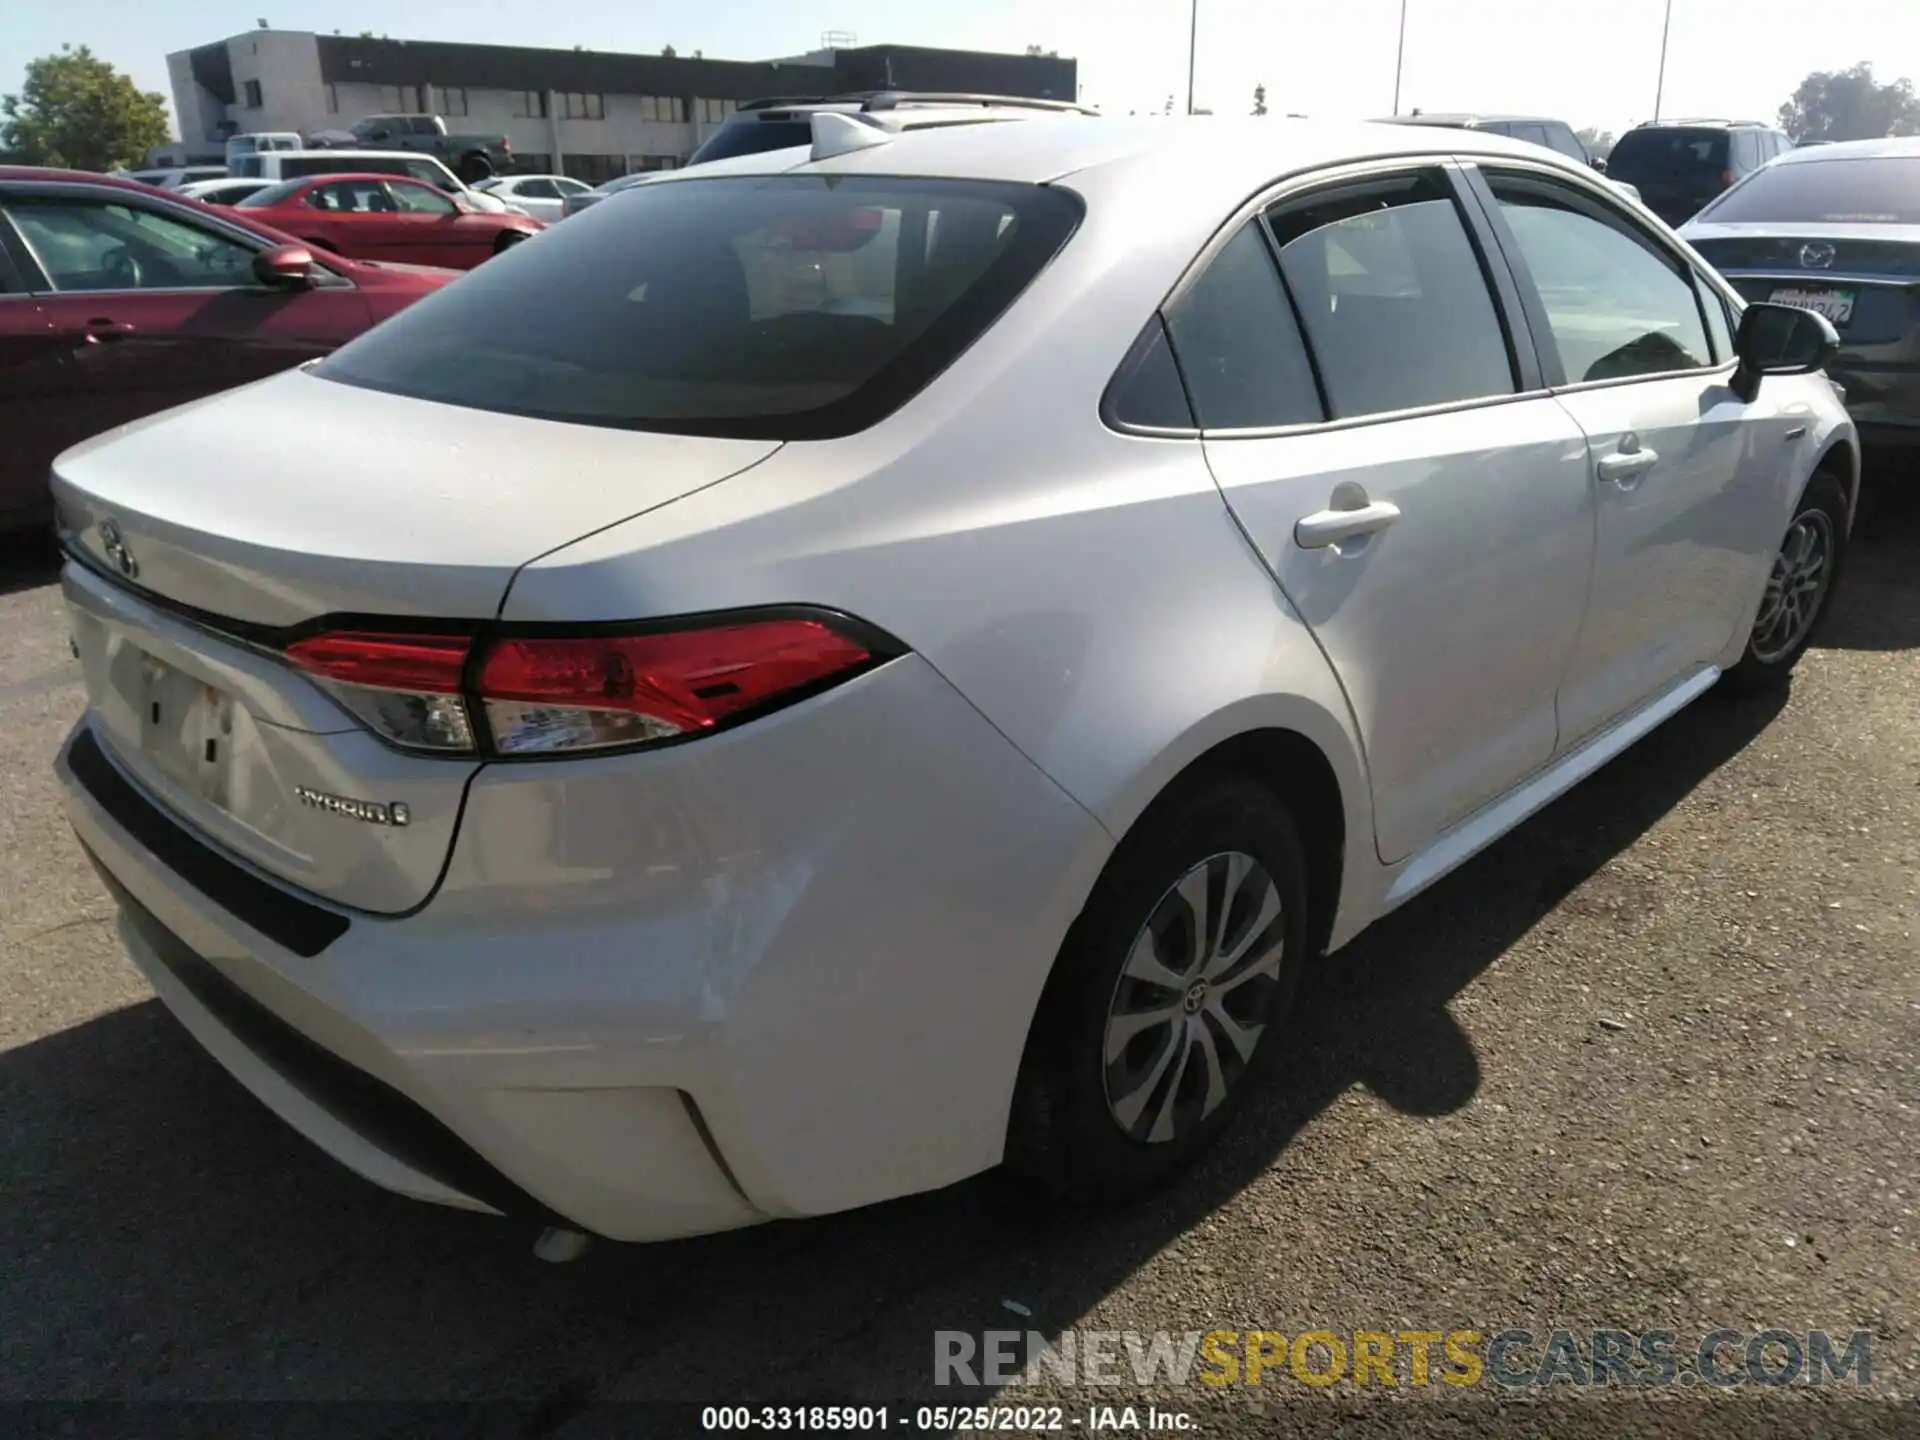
[116, 549]
[1816, 255]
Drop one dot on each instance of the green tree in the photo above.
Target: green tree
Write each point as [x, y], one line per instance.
[1850, 105]
[1259, 99]
[668, 51]
[76, 110]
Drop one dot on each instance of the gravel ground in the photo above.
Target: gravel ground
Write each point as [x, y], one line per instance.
[1650, 1062]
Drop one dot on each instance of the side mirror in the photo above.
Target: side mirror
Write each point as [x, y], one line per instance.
[284, 267]
[1780, 340]
[1599, 162]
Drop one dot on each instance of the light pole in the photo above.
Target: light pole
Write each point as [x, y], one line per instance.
[1193, 39]
[1400, 57]
[1660, 85]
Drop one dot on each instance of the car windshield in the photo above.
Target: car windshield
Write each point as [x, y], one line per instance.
[1668, 154]
[776, 307]
[273, 195]
[751, 137]
[1871, 190]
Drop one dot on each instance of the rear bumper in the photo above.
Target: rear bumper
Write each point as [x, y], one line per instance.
[784, 971]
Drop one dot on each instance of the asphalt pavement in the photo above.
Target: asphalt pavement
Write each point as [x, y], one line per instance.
[1652, 1062]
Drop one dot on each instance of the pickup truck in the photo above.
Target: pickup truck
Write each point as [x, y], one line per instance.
[472, 157]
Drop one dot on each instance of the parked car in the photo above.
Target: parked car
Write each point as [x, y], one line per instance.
[1555, 135]
[386, 217]
[1836, 229]
[1679, 165]
[862, 666]
[227, 191]
[117, 300]
[472, 157]
[785, 123]
[541, 196]
[262, 140]
[173, 177]
[291, 165]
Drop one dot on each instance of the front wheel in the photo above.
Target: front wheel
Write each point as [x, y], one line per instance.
[474, 168]
[1805, 569]
[1168, 997]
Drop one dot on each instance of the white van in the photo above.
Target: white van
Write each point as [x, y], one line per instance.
[238, 145]
[298, 164]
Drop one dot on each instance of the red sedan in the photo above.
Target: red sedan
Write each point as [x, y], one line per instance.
[117, 300]
[386, 217]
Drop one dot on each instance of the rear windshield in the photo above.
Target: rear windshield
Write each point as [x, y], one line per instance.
[769, 307]
[1883, 189]
[1668, 154]
[750, 137]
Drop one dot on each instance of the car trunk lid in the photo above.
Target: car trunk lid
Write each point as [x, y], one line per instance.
[202, 548]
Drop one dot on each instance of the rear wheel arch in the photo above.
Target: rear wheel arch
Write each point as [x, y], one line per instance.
[1841, 458]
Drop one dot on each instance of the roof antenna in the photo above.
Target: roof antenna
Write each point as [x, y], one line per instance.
[836, 134]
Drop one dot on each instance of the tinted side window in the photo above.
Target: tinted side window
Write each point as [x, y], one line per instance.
[1532, 134]
[1566, 142]
[1147, 390]
[1392, 297]
[1616, 306]
[1234, 335]
[1746, 150]
[85, 245]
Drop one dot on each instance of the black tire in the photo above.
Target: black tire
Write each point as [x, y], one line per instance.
[474, 168]
[1777, 640]
[1065, 1132]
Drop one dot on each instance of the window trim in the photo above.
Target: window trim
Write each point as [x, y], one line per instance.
[37, 282]
[1615, 213]
[1302, 184]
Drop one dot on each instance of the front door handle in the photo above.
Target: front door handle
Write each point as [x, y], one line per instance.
[101, 328]
[1332, 527]
[1626, 464]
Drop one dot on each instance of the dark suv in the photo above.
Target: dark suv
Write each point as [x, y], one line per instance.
[1679, 165]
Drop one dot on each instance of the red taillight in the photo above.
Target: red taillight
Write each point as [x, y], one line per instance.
[406, 688]
[550, 694]
[547, 694]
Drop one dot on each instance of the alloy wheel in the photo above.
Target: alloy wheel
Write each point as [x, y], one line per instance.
[1796, 588]
[1192, 998]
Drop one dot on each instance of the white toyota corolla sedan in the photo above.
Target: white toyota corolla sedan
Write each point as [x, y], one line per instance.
[844, 667]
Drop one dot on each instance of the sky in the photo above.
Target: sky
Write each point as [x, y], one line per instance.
[1592, 65]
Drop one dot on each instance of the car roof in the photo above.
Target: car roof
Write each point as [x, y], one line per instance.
[1708, 123]
[1466, 119]
[76, 177]
[1894, 147]
[334, 177]
[1229, 151]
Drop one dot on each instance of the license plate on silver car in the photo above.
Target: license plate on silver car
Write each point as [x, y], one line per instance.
[186, 728]
[1836, 305]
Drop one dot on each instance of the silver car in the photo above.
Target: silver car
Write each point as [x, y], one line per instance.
[868, 663]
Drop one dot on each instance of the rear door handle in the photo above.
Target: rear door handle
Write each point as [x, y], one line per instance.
[1331, 527]
[102, 328]
[1626, 464]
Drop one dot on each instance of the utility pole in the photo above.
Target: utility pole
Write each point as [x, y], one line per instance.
[1193, 40]
[1400, 57]
[1660, 85]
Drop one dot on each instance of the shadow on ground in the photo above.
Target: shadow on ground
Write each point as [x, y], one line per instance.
[161, 1235]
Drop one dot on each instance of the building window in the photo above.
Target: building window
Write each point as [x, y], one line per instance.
[593, 169]
[712, 112]
[449, 100]
[530, 105]
[670, 109]
[333, 100]
[639, 163]
[253, 94]
[576, 106]
[532, 162]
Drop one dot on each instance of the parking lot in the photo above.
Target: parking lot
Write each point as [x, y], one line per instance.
[1649, 1062]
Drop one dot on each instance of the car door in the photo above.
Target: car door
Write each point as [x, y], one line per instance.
[151, 305]
[1382, 437]
[537, 196]
[34, 394]
[431, 229]
[1681, 466]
